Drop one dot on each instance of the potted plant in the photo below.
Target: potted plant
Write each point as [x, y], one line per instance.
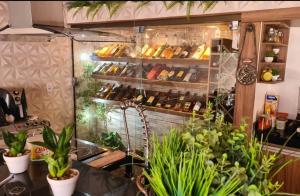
[211, 157]
[61, 177]
[275, 74]
[269, 57]
[16, 157]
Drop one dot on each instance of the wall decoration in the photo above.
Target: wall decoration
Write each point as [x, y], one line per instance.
[34, 65]
[93, 7]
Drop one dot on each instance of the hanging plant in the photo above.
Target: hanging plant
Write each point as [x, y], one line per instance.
[93, 7]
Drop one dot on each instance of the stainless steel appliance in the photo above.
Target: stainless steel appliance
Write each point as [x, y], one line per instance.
[13, 102]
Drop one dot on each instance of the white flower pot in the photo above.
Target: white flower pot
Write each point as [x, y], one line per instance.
[269, 59]
[63, 187]
[275, 78]
[17, 165]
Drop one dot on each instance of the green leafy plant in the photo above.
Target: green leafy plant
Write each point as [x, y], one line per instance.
[58, 160]
[270, 54]
[87, 88]
[108, 139]
[238, 165]
[275, 72]
[15, 143]
[93, 7]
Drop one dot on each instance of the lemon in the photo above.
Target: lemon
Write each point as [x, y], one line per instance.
[267, 76]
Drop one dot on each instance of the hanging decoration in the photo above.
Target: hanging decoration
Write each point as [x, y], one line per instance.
[246, 72]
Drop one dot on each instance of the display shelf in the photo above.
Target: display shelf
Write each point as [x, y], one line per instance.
[271, 82]
[153, 82]
[273, 63]
[177, 61]
[149, 108]
[278, 24]
[275, 44]
[266, 47]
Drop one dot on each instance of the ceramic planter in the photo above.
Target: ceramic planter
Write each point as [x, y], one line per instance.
[63, 187]
[275, 78]
[17, 165]
[269, 59]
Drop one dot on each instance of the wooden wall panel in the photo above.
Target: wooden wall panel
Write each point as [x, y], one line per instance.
[271, 15]
[290, 175]
[245, 94]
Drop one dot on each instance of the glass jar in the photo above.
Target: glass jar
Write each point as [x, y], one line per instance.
[271, 34]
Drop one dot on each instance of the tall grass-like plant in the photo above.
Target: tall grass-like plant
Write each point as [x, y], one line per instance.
[211, 157]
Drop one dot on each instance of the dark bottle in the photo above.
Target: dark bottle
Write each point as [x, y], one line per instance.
[154, 72]
[124, 71]
[186, 52]
[131, 71]
[151, 101]
[101, 89]
[195, 77]
[188, 76]
[114, 92]
[171, 100]
[140, 96]
[180, 75]
[163, 99]
[127, 93]
[189, 103]
[106, 91]
[130, 94]
[99, 67]
[181, 100]
[146, 70]
[197, 105]
[163, 75]
[121, 93]
[105, 68]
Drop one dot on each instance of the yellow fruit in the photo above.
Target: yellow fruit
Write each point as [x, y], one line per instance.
[267, 75]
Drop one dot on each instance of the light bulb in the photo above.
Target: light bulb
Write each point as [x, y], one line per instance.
[84, 57]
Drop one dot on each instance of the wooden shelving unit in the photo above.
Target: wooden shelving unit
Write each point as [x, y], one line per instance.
[266, 46]
[153, 82]
[177, 61]
[155, 109]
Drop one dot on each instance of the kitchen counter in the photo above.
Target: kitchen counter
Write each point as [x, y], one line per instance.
[91, 181]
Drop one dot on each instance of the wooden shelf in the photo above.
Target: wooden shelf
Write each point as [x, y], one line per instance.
[153, 60]
[271, 82]
[149, 108]
[273, 63]
[153, 82]
[278, 24]
[275, 44]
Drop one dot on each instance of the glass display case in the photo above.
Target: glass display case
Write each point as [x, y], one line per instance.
[173, 71]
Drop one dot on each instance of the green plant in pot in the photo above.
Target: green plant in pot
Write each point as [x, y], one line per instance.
[16, 157]
[275, 74]
[269, 56]
[211, 157]
[61, 177]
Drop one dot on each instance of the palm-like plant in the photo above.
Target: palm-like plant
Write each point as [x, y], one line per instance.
[58, 161]
[114, 6]
[15, 143]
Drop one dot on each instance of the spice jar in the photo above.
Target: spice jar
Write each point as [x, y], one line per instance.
[281, 120]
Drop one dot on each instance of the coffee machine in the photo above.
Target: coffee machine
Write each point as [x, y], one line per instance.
[14, 103]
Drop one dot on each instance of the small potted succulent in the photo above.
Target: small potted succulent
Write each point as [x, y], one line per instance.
[269, 57]
[16, 157]
[61, 177]
[275, 74]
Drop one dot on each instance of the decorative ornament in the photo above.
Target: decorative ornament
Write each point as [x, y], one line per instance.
[246, 73]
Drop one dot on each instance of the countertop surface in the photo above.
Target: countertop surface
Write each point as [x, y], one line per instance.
[91, 181]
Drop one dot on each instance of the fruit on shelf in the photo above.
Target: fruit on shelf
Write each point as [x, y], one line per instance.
[266, 75]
